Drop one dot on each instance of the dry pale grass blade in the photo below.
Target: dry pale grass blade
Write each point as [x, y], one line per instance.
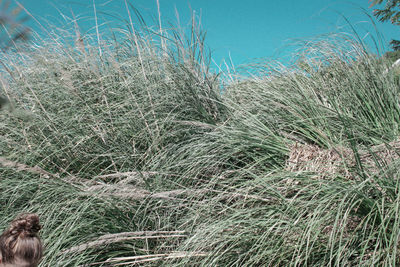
[196, 124]
[115, 190]
[70, 179]
[115, 238]
[23, 167]
[135, 193]
[123, 178]
[126, 174]
[200, 192]
[121, 261]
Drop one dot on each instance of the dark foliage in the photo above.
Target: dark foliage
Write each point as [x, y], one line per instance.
[391, 11]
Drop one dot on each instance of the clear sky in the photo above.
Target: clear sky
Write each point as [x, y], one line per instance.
[238, 29]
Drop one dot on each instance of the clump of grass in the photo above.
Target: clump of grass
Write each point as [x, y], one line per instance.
[118, 104]
[258, 212]
[132, 153]
[82, 127]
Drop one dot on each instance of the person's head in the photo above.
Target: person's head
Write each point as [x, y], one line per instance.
[20, 245]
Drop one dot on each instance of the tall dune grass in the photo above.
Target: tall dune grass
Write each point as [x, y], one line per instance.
[133, 154]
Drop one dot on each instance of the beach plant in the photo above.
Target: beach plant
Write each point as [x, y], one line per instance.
[133, 151]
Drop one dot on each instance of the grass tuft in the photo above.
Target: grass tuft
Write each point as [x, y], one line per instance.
[132, 152]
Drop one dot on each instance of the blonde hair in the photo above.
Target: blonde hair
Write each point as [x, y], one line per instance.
[20, 242]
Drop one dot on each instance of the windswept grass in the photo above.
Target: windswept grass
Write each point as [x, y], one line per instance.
[133, 154]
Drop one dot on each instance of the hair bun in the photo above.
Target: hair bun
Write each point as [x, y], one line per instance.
[26, 224]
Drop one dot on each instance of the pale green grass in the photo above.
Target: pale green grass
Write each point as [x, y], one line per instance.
[132, 153]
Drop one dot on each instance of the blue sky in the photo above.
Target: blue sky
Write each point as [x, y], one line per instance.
[236, 29]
